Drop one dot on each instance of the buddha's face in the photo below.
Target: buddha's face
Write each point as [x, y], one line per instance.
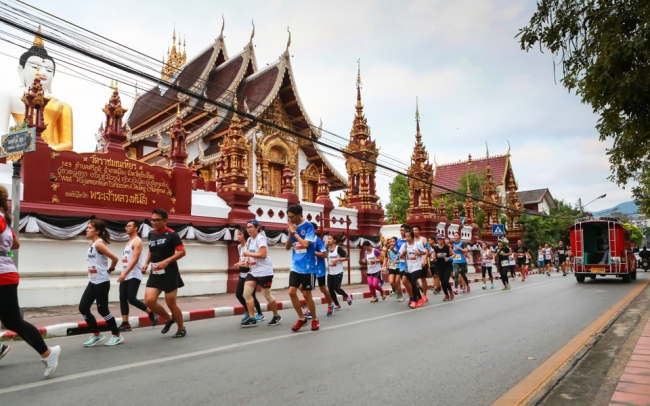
[28, 73]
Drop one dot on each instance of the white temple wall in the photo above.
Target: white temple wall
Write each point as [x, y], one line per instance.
[339, 214]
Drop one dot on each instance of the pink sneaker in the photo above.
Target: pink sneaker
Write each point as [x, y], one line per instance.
[468, 288]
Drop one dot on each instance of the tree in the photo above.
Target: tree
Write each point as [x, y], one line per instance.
[539, 230]
[634, 233]
[399, 199]
[604, 51]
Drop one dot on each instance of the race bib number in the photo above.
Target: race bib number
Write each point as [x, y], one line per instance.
[411, 257]
[252, 262]
[332, 264]
[457, 257]
[299, 249]
[125, 262]
[156, 269]
[505, 262]
[92, 272]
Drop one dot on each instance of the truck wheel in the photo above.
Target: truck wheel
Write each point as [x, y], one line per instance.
[627, 278]
[580, 279]
[633, 275]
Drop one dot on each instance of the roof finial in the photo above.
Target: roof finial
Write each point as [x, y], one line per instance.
[115, 88]
[508, 153]
[252, 33]
[434, 160]
[487, 151]
[38, 41]
[223, 25]
[174, 36]
[289, 40]
[359, 81]
[178, 110]
[417, 116]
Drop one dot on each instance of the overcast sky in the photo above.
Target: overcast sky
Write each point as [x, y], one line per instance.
[459, 57]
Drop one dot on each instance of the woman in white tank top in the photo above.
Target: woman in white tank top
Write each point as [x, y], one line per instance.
[99, 284]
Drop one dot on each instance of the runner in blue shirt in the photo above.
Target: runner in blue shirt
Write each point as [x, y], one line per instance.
[321, 271]
[402, 262]
[460, 263]
[303, 265]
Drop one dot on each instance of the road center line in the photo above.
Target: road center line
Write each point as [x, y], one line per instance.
[222, 348]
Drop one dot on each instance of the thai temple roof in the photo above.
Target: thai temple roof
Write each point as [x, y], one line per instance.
[448, 175]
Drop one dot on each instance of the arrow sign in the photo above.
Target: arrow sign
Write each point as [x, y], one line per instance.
[498, 230]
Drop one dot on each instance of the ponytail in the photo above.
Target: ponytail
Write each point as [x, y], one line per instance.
[100, 226]
[4, 196]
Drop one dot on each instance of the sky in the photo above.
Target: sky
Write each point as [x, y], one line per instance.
[459, 57]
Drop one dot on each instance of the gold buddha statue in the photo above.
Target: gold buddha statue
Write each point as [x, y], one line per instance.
[57, 114]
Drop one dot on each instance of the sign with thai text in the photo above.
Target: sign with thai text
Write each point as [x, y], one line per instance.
[22, 140]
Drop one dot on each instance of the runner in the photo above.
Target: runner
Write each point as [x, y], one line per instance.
[165, 249]
[131, 278]
[444, 255]
[540, 259]
[9, 308]
[99, 284]
[372, 258]
[321, 272]
[521, 252]
[569, 258]
[512, 264]
[460, 263]
[503, 261]
[424, 273]
[561, 252]
[548, 254]
[437, 286]
[391, 262]
[336, 255]
[403, 279]
[303, 269]
[413, 252]
[258, 260]
[242, 237]
[486, 264]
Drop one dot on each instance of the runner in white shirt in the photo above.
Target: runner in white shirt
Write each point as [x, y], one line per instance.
[486, 264]
[548, 255]
[131, 277]
[242, 238]
[99, 284]
[413, 252]
[336, 255]
[258, 260]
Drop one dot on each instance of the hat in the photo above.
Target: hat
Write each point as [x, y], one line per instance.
[503, 240]
[440, 237]
[254, 222]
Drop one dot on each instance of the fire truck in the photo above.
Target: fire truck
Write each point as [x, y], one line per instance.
[601, 248]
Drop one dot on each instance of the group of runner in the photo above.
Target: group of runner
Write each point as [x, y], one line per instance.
[560, 256]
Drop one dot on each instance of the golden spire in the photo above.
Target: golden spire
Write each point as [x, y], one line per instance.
[38, 41]
[359, 105]
[174, 36]
[289, 40]
[418, 136]
[178, 110]
[487, 151]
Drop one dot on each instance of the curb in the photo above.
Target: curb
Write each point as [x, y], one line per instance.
[70, 329]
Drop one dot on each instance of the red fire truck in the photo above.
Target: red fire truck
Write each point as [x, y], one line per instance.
[601, 248]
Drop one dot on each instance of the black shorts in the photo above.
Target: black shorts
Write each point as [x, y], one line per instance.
[393, 271]
[263, 281]
[415, 274]
[424, 272]
[547, 261]
[321, 281]
[562, 259]
[167, 282]
[521, 261]
[304, 281]
[486, 269]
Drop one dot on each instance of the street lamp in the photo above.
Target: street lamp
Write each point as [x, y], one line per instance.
[582, 207]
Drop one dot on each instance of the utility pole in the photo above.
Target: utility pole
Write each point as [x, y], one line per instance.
[580, 205]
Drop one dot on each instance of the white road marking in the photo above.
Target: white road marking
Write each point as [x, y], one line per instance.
[242, 344]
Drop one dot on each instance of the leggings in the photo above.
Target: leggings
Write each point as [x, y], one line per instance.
[240, 296]
[445, 275]
[99, 293]
[413, 278]
[373, 283]
[487, 269]
[128, 294]
[10, 317]
[512, 271]
[334, 286]
[503, 270]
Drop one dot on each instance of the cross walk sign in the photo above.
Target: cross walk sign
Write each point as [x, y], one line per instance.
[498, 230]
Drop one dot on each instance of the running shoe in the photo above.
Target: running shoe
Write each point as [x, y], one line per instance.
[94, 340]
[307, 314]
[492, 286]
[349, 300]
[249, 322]
[505, 288]
[426, 299]
[446, 299]
[383, 295]
[400, 299]
[245, 316]
[154, 319]
[508, 287]
[315, 325]
[420, 302]
[337, 307]
[180, 334]
[523, 279]
[381, 282]
[299, 324]
[52, 361]
[123, 327]
[451, 295]
[167, 326]
[412, 304]
[260, 317]
[463, 290]
[4, 350]
[455, 291]
[330, 310]
[563, 273]
[548, 273]
[392, 293]
[115, 340]
[275, 321]
[468, 289]
[484, 287]
[374, 300]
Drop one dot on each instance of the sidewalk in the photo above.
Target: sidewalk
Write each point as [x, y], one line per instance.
[634, 385]
[65, 320]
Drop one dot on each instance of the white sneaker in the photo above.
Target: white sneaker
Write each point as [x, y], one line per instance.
[115, 340]
[52, 361]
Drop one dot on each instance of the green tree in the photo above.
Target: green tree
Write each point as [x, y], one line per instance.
[603, 47]
[476, 184]
[539, 230]
[634, 233]
[399, 199]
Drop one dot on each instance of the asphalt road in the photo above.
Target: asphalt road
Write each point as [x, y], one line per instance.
[466, 352]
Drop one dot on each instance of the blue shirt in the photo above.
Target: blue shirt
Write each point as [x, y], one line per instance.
[398, 246]
[319, 246]
[303, 259]
[459, 258]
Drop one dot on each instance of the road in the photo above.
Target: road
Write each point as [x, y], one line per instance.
[466, 352]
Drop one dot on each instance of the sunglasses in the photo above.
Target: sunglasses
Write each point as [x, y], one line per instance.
[156, 220]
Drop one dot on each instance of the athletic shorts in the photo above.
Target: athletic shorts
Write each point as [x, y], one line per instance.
[306, 280]
[167, 282]
[263, 281]
[521, 261]
[393, 271]
[486, 269]
[424, 272]
[460, 268]
[562, 259]
[547, 261]
[321, 281]
[540, 263]
[416, 273]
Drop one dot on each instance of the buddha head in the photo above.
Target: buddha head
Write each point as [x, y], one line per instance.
[36, 57]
